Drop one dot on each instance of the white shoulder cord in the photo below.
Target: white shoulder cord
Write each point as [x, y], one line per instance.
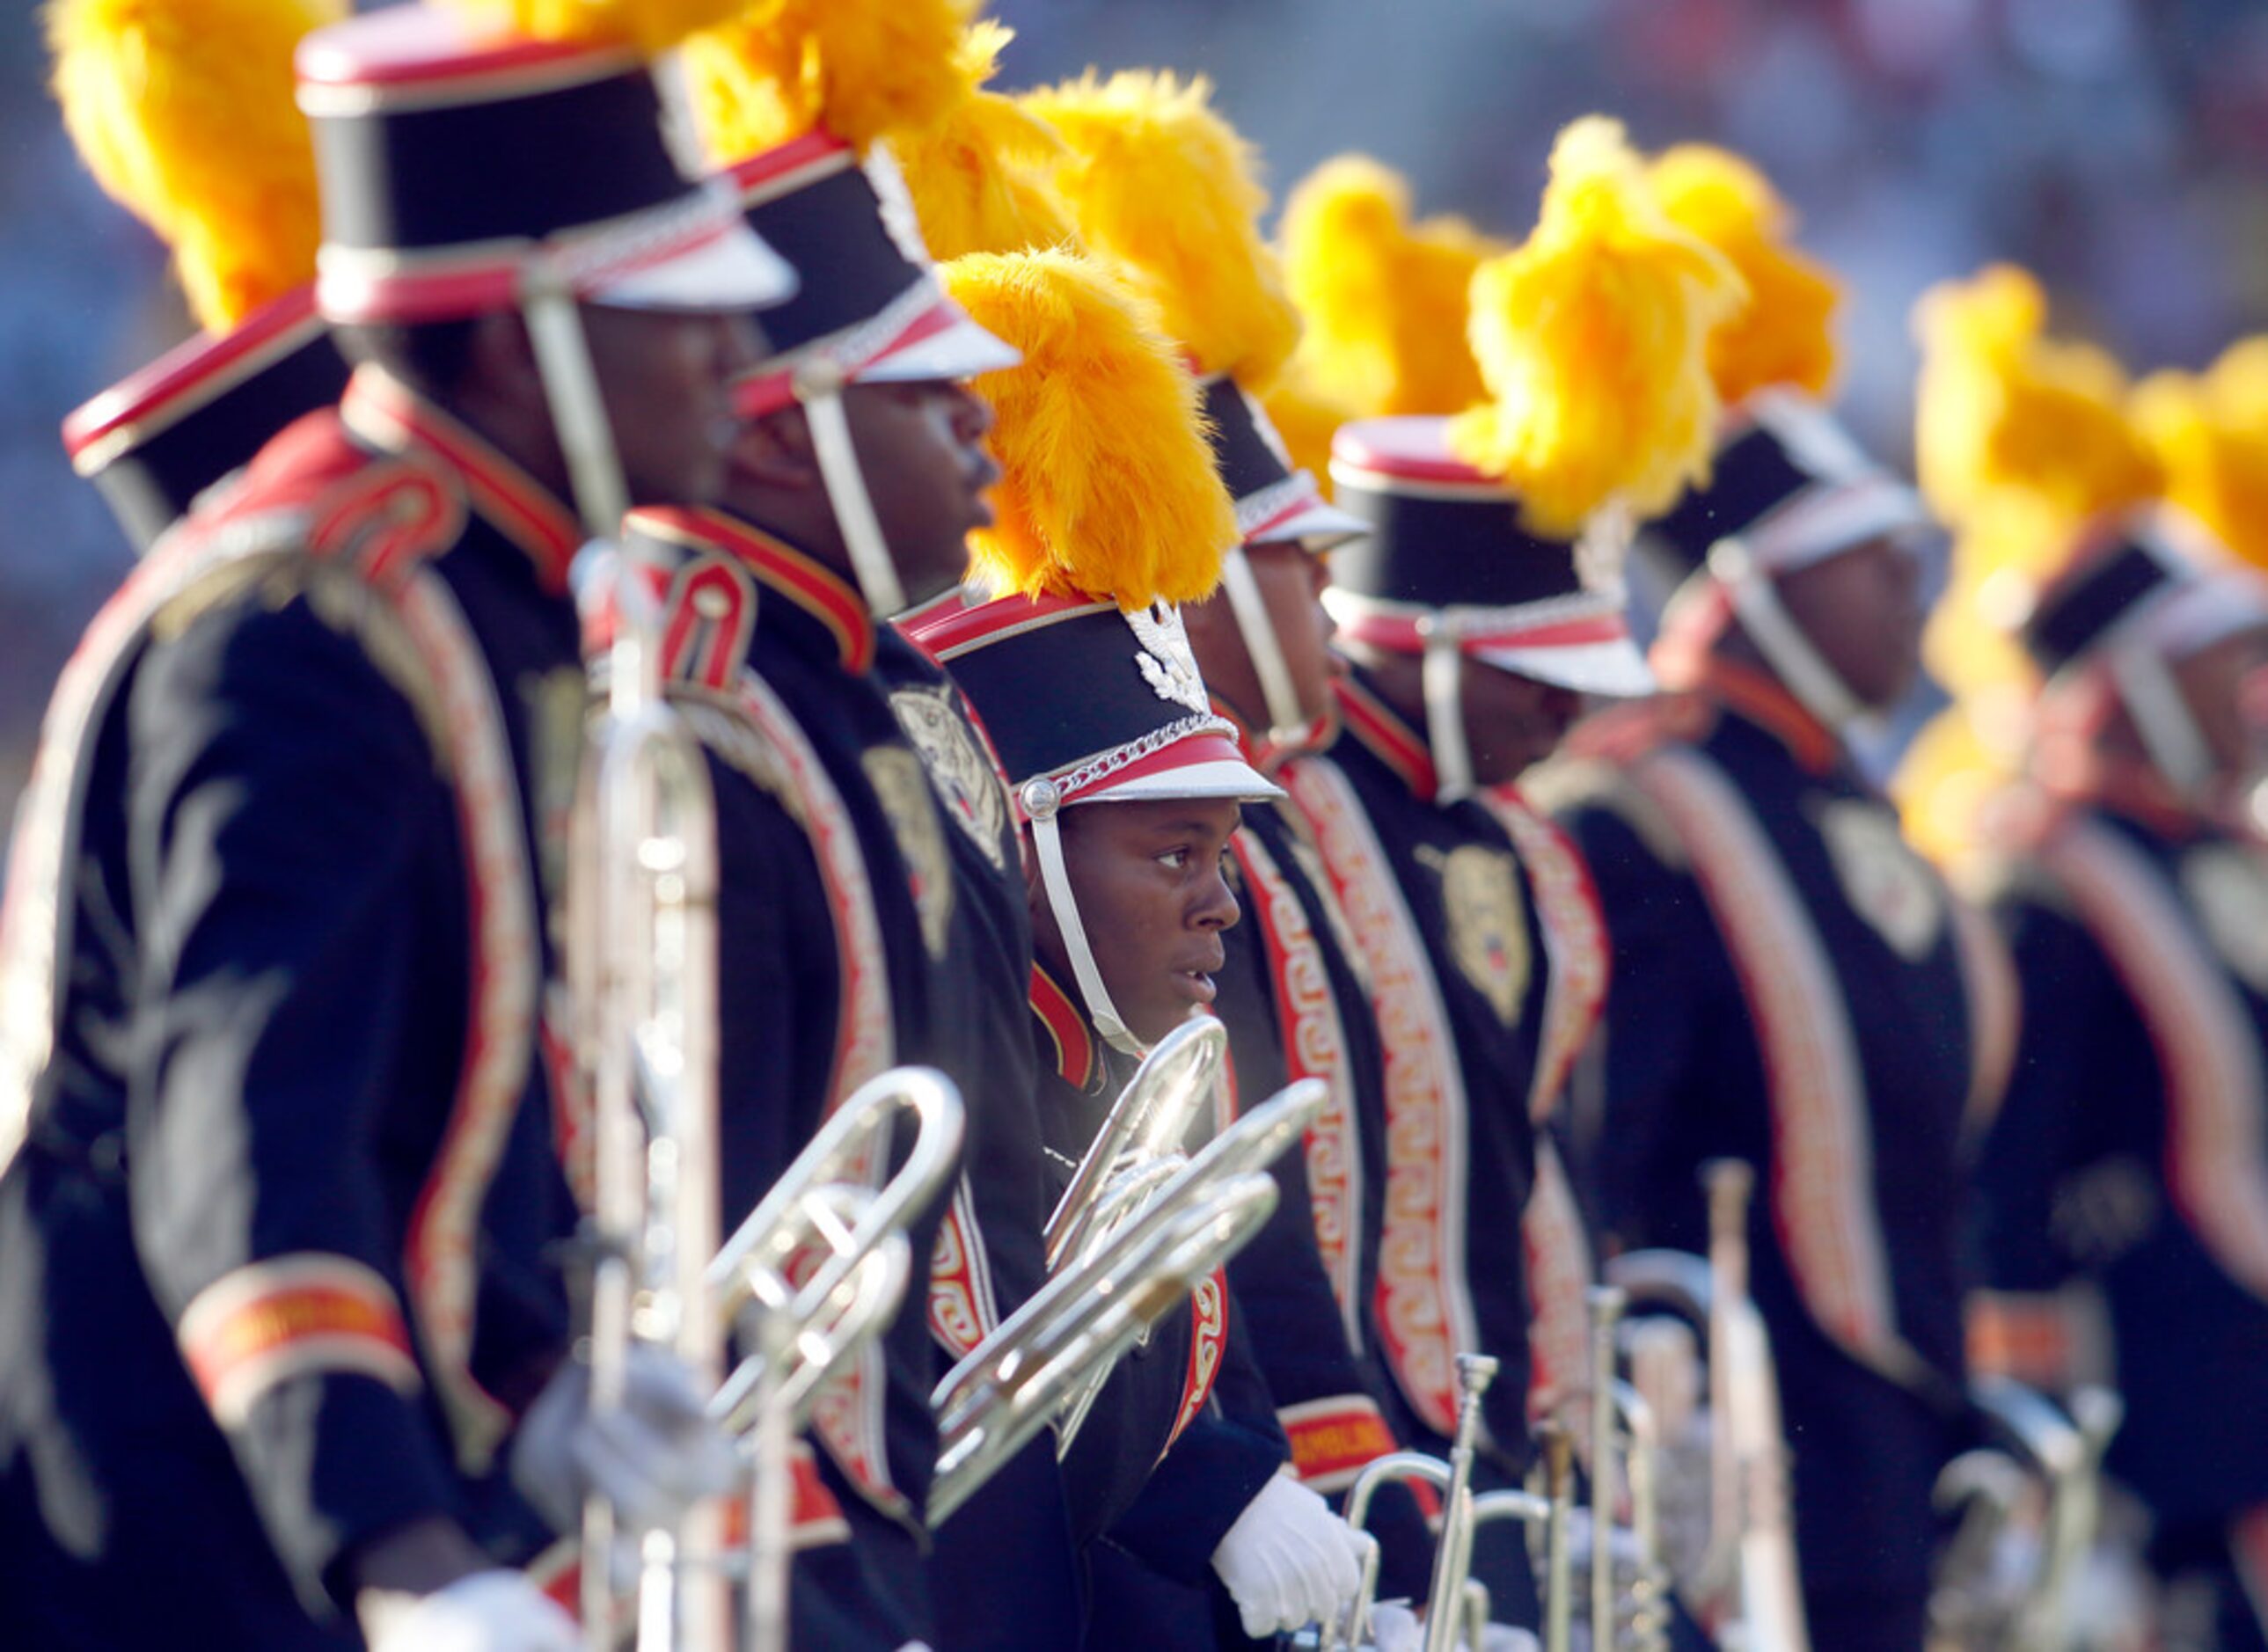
[819, 387]
[1043, 801]
[1444, 682]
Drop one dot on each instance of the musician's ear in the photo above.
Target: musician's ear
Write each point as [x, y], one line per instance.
[774, 452]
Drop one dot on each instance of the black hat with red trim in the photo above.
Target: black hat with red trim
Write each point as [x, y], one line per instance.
[1110, 513]
[1447, 558]
[157, 439]
[1497, 534]
[2150, 574]
[801, 105]
[458, 165]
[1791, 487]
[184, 112]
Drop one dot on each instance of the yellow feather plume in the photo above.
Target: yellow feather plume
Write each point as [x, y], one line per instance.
[2000, 409]
[977, 174]
[1964, 757]
[2210, 434]
[1107, 487]
[1161, 182]
[184, 112]
[862, 72]
[650, 26]
[1385, 301]
[1594, 339]
[1784, 333]
[1306, 419]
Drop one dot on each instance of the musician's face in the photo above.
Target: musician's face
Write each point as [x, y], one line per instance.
[666, 379]
[1513, 723]
[921, 447]
[1862, 609]
[1152, 899]
[1291, 579]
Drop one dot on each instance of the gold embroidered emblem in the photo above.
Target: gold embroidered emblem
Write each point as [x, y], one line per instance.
[899, 782]
[966, 782]
[1488, 925]
[1887, 884]
[2227, 888]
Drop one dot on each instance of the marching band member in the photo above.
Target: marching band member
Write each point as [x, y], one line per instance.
[1794, 986]
[282, 1181]
[1158, 180]
[1485, 600]
[1128, 785]
[2122, 857]
[2128, 1150]
[876, 835]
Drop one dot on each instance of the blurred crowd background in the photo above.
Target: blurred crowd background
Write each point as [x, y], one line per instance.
[2118, 148]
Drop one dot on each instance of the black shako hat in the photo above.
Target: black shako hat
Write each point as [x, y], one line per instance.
[452, 162]
[155, 440]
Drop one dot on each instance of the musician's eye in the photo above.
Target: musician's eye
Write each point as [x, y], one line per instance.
[1174, 860]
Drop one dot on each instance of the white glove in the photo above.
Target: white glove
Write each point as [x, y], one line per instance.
[1394, 1628]
[487, 1611]
[652, 1459]
[1502, 1637]
[1288, 1561]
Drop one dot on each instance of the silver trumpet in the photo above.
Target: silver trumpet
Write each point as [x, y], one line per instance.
[1457, 1605]
[643, 960]
[1624, 1453]
[1745, 1583]
[1063, 1342]
[2043, 1470]
[1140, 1146]
[806, 1256]
[1247, 1147]
[1125, 1259]
[818, 1270]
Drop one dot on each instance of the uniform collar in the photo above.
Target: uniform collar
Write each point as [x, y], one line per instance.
[1382, 732]
[383, 411]
[1079, 1053]
[816, 609]
[2128, 788]
[1757, 698]
[1248, 747]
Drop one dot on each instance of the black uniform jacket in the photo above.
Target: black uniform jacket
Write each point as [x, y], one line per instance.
[1296, 1007]
[835, 910]
[1441, 916]
[1184, 1434]
[1793, 987]
[2132, 1148]
[1006, 1564]
[275, 1263]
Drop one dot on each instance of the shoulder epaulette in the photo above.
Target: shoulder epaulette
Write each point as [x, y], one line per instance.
[1572, 781]
[1622, 734]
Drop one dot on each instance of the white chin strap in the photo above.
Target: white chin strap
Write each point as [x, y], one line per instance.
[819, 387]
[2163, 720]
[1287, 718]
[1042, 802]
[1800, 666]
[1444, 684]
[578, 405]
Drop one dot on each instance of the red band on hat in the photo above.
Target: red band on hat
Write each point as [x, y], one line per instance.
[1210, 746]
[956, 629]
[759, 173]
[768, 390]
[204, 365]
